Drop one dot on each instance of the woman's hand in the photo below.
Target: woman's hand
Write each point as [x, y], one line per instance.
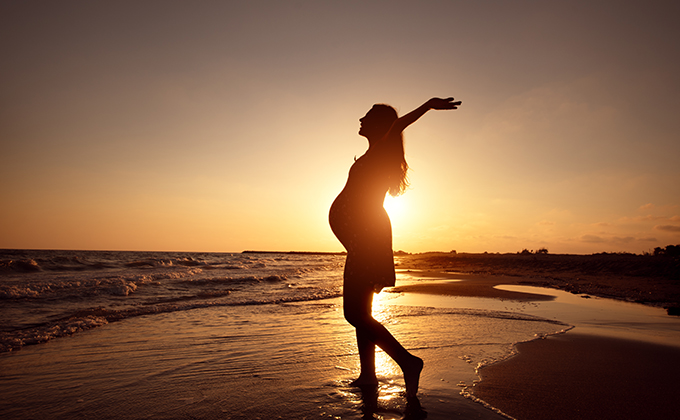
[439, 103]
[435, 103]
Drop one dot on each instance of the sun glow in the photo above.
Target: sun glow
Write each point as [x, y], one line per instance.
[397, 208]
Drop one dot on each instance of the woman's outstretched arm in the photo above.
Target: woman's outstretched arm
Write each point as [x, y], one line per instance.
[435, 103]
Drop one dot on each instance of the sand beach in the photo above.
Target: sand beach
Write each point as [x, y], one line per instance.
[581, 376]
[540, 353]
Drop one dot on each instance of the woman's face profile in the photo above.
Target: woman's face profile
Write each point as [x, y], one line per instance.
[369, 123]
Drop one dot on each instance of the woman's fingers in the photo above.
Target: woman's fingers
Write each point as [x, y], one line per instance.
[447, 103]
[443, 103]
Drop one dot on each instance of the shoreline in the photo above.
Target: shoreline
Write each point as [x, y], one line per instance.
[575, 374]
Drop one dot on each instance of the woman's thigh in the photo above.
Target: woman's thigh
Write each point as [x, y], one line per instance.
[357, 299]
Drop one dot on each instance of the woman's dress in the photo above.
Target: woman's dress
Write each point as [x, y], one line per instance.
[360, 222]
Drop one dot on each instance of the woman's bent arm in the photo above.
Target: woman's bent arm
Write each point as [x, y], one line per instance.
[435, 103]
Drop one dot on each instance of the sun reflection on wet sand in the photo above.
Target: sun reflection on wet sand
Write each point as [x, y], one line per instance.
[385, 367]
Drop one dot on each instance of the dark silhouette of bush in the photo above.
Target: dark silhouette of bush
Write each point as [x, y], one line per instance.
[671, 251]
[525, 251]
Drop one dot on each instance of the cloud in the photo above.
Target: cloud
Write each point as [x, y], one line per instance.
[615, 239]
[591, 239]
[647, 206]
[626, 240]
[667, 228]
[637, 219]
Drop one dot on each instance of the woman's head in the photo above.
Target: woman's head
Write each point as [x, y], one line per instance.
[377, 121]
[374, 126]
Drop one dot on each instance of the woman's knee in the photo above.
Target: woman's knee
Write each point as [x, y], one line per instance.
[356, 316]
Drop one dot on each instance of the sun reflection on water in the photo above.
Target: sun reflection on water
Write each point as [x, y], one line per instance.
[385, 367]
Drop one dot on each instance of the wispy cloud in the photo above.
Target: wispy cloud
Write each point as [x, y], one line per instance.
[667, 228]
[591, 239]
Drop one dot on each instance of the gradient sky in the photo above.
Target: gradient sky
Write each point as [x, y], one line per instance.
[224, 126]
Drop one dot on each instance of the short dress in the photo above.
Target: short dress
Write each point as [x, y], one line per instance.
[361, 224]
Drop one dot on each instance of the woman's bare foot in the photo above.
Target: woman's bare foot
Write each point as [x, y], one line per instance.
[412, 376]
[365, 380]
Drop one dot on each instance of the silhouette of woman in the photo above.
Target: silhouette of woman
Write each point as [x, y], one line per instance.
[359, 221]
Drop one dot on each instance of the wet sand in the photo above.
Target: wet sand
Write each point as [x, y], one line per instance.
[575, 376]
[469, 285]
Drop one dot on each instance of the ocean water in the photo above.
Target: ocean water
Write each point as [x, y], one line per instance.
[50, 294]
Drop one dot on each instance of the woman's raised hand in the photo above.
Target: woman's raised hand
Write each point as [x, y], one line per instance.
[435, 103]
[440, 103]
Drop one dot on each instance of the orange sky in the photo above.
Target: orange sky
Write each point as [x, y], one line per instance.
[224, 126]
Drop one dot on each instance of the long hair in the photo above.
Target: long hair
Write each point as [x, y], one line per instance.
[398, 168]
[400, 183]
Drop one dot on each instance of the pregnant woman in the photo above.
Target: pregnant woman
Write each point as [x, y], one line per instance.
[359, 221]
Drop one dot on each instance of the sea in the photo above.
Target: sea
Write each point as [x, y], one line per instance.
[46, 294]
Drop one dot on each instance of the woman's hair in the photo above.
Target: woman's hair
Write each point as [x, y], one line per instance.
[398, 180]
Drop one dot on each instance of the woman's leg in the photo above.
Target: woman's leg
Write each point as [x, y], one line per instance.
[357, 303]
[367, 358]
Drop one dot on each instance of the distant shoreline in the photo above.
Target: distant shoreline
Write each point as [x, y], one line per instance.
[295, 252]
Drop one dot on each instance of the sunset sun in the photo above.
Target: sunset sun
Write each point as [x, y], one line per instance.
[397, 208]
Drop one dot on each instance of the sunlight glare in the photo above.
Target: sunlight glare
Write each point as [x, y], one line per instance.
[397, 208]
[385, 367]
